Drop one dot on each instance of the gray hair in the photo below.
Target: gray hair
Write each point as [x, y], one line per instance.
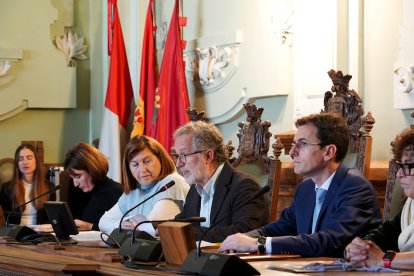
[205, 136]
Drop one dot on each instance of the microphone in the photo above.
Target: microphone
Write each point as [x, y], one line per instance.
[215, 263]
[17, 232]
[148, 250]
[118, 235]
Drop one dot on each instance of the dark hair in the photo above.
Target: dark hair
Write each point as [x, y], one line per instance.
[204, 136]
[137, 144]
[87, 158]
[331, 129]
[402, 141]
[39, 181]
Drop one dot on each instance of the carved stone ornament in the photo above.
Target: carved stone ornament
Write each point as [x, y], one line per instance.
[212, 67]
[72, 46]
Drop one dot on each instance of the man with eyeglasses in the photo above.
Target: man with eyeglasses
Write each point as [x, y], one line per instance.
[330, 207]
[217, 188]
[391, 245]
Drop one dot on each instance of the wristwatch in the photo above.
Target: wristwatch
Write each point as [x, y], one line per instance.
[261, 244]
[388, 257]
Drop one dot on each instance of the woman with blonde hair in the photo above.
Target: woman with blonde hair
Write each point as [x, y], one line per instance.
[29, 181]
[146, 168]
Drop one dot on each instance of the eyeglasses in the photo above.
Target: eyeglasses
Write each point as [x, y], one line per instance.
[183, 157]
[303, 144]
[405, 167]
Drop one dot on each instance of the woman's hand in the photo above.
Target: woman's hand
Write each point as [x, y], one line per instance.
[83, 225]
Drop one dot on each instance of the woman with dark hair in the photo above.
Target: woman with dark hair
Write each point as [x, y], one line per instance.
[391, 245]
[29, 181]
[88, 167]
[146, 168]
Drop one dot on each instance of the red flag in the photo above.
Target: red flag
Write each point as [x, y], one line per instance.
[119, 95]
[145, 103]
[172, 96]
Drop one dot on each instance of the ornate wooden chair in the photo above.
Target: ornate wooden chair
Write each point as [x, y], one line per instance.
[348, 103]
[6, 170]
[254, 142]
[394, 194]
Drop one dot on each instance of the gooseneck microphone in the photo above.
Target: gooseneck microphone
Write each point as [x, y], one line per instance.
[118, 235]
[219, 264]
[17, 232]
[148, 249]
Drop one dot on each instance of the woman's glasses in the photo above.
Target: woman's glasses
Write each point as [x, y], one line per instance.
[405, 167]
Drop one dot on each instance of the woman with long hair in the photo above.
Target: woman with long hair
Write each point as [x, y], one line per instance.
[29, 181]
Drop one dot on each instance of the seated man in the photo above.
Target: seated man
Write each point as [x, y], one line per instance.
[396, 234]
[331, 206]
[217, 188]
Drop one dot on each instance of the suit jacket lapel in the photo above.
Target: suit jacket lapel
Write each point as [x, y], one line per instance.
[333, 188]
[220, 191]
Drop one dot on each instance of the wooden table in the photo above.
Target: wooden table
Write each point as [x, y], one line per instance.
[78, 260]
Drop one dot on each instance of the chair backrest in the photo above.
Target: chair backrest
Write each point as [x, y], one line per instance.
[394, 194]
[6, 170]
[348, 104]
[253, 159]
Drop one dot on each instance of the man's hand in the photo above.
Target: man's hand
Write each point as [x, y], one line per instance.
[238, 243]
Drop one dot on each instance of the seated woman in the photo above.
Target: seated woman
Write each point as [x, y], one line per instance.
[391, 245]
[29, 181]
[146, 168]
[88, 167]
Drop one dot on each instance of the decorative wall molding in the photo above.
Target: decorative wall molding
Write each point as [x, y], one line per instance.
[212, 67]
[72, 46]
[5, 66]
[7, 59]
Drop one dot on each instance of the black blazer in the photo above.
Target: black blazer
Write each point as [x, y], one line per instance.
[6, 204]
[232, 188]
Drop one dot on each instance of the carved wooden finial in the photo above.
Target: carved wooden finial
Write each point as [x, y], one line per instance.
[368, 123]
[195, 115]
[277, 148]
[254, 113]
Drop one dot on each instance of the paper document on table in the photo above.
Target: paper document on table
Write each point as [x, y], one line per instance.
[87, 236]
[338, 265]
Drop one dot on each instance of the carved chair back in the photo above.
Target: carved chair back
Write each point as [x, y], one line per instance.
[348, 104]
[394, 194]
[253, 159]
[6, 170]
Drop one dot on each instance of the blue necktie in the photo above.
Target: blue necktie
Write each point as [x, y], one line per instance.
[320, 196]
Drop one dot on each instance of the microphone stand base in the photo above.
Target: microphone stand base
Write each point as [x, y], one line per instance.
[215, 264]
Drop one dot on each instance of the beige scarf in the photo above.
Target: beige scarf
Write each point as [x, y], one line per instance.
[406, 238]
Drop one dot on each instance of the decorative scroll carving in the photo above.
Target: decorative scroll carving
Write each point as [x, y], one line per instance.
[72, 46]
[161, 36]
[4, 67]
[211, 67]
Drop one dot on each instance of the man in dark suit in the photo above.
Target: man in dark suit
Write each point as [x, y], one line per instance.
[317, 225]
[217, 188]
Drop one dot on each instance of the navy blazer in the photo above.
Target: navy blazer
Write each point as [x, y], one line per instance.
[350, 209]
[232, 189]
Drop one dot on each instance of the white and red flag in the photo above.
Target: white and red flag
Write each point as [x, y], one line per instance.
[119, 96]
